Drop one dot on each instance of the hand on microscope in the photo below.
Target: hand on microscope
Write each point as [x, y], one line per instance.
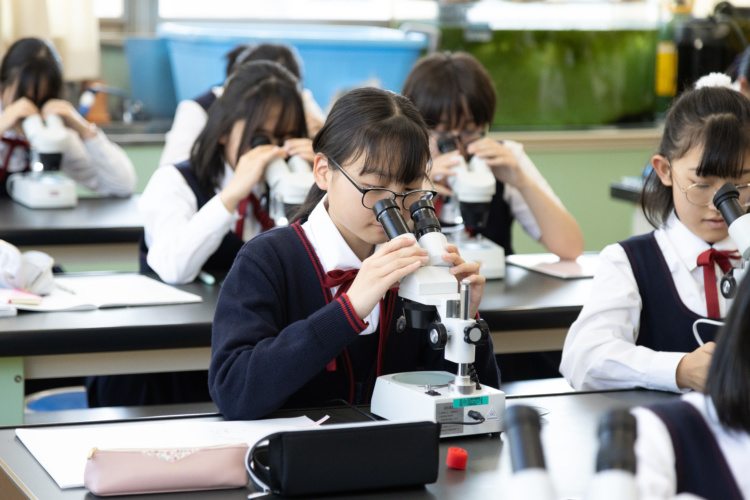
[299, 147]
[463, 270]
[71, 117]
[443, 166]
[382, 270]
[500, 159]
[14, 114]
[693, 368]
[248, 171]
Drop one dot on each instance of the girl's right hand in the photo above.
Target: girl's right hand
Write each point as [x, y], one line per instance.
[247, 173]
[380, 271]
[692, 369]
[442, 168]
[15, 113]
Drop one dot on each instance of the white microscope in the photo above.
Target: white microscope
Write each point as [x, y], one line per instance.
[45, 186]
[432, 302]
[288, 181]
[473, 186]
[726, 200]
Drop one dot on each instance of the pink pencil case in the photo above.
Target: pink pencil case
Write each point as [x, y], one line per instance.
[138, 471]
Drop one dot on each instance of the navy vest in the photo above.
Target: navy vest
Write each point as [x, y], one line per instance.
[206, 100]
[666, 323]
[700, 466]
[221, 260]
[500, 220]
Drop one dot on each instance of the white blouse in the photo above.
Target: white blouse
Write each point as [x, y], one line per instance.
[600, 350]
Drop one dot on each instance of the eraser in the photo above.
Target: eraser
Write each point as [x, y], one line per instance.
[457, 458]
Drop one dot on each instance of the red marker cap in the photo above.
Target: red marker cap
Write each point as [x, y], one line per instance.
[457, 458]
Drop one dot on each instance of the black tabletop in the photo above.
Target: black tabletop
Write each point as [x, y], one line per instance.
[93, 220]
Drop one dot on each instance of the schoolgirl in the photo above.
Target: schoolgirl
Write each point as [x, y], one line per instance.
[308, 312]
[191, 114]
[198, 213]
[636, 328]
[31, 83]
[456, 97]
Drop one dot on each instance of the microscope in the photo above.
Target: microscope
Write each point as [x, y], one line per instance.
[726, 201]
[45, 186]
[288, 181]
[473, 186]
[433, 302]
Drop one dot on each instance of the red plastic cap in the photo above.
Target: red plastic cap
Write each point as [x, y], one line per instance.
[457, 458]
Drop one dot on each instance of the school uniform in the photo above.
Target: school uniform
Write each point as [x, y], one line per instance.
[636, 326]
[96, 163]
[711, 461]
[185, 231]
[191, 116]
[284, 337]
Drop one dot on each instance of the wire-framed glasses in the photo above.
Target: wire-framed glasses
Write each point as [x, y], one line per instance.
[702, 194]
[464, 138]
[370, 196]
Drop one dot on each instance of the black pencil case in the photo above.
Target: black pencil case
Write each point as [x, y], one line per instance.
[337, 459]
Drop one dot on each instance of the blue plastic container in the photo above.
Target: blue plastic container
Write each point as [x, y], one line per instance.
[150, 75]
[335, 58]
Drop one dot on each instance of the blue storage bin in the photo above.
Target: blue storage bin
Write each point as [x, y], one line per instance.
[150, 75]
[335, 58]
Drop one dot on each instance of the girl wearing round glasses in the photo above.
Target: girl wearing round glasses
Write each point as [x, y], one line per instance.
[309, 313]
[456, 97]
[636, 329]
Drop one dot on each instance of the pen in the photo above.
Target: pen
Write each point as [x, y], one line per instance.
[206, 278]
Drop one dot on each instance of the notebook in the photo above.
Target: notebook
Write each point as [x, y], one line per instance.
[550, 264]
[82, 293]
[15, 296]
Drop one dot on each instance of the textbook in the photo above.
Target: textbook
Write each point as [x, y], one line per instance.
[83, 293]
[550, 264]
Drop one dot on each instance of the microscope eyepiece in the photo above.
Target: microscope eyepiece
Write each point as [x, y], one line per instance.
[424, 217]
[389, 215]
[617, 433]
[726, 201]
[446, 144]
[259, 140]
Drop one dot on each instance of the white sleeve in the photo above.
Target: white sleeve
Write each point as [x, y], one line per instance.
[179, 239]
[600, 350]
[513, 197]
[655, 460]
[189, 120]
[99, 165]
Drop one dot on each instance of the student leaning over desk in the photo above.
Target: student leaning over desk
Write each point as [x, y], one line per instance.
[309, 313]
[636, 328]
[31, 83]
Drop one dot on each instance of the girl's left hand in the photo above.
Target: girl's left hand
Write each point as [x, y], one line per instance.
[300, 147]
[463, 270]
[500, 159]
[70, 116]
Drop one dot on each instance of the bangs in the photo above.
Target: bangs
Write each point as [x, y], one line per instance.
[261, 102]
[38, 82]
[726, 143]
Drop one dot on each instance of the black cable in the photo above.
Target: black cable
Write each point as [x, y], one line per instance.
[349, 405]
[473, 414]
[474, 377]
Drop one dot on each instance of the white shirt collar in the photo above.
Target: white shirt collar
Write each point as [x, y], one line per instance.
[333, 251]
[687, 245]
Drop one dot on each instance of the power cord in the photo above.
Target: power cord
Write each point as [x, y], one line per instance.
[474, 377]
[479, 419]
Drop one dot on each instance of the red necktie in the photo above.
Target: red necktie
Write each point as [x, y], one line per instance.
[266, 222]
[707, 260]
[343, 280]
[12, 143]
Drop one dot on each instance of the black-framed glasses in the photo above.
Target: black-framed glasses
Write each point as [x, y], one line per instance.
[464, 138]
[702, 194]
[370, 196]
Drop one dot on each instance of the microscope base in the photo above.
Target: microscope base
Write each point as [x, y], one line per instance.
[403, 396]
[49, 190]
[489, 253]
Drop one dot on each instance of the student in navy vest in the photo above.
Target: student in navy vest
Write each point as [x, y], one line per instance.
[198, 213]
[456, 97]
[191, 115]
[636, 329]
[700, 443]
[309, 312]
[31, 82]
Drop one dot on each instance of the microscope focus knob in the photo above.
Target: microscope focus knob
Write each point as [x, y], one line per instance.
[438, 336]
[478, 333]
[729, 285]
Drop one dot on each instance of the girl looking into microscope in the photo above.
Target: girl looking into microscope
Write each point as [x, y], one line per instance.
[457, 99]
[636, 329]
[309, 313]
[198, 213]
[31, 83]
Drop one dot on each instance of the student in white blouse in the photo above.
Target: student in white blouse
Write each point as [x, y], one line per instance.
[191, 115]
[636, 328]
[700, 444]
[198, 213]
[31, 83]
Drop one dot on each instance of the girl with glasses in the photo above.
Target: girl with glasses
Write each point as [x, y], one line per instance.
[456, 97]
[636, 330]
[310, 313]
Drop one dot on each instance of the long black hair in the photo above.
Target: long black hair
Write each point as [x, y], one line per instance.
[715, 118]
[728, 381]
[33, 65]
[253, 90]
[450, 86]
[380, 125]
[285, 55]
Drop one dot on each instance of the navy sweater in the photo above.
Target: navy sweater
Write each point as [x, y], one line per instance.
[276, 330]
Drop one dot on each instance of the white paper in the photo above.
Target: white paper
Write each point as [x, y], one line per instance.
[81, 293]
[550, 264]
[63, 451]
